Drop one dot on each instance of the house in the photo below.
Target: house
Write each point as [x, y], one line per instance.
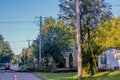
[109, 58]
[72, 53]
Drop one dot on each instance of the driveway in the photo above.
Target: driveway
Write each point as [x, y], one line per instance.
[19, 75]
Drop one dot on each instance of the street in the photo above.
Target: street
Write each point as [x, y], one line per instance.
[11, 75]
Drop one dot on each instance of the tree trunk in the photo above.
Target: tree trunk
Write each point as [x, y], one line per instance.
[79, 40]
[90, 49]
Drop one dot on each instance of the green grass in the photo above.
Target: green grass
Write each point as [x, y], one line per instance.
[115, 75]
[56, 76]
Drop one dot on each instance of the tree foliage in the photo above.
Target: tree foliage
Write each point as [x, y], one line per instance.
[107, 33]
[56, 37]
[91, 13]
[6, 53]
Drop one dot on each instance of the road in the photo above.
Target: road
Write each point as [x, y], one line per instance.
[10, 75]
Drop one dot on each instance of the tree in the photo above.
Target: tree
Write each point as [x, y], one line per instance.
[92, 11]
[16, 59]
[6, 53]
[107, 33]
[35, 48]
[24, 56]
[55, 39]
[78, 25]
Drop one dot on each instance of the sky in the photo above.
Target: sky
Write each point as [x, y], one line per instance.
[20, 16]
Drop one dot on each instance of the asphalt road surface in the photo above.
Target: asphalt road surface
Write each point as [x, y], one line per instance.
[11, 75]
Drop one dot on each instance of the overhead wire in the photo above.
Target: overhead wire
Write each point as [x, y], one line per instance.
[31, 31]
[19, 41]
[20, 30]
[11, 22]
[18, 22]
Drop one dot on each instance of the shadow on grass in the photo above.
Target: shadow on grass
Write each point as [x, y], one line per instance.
[115, 75]
[95, 77]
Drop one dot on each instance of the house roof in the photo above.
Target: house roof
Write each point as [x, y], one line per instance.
[117, 50]
[110, 48]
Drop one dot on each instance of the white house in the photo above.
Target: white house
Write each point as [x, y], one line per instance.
[72, 52]
[110, 58]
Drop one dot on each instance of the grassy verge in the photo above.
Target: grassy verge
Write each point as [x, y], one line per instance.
[115, 75]
[57, 76]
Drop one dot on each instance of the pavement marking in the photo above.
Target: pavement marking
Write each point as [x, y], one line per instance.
[15, 76]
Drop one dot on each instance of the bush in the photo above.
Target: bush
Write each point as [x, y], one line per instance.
[105, 68]
[47, 64]
[23, 68]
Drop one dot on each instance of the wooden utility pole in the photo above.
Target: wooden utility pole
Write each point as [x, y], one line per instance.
[40, 38]
[40, 25]
[79, 39]
[28, 43]
[28, 51]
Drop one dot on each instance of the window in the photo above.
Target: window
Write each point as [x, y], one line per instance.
[118, 57]
[103, 59]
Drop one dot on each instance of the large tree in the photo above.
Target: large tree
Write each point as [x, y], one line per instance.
[55, 38]
[79, 40]
[92, 12]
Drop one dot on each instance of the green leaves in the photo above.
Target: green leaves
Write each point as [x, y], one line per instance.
[56, 37]
[108, 33]
[6, 53]
[92, 12]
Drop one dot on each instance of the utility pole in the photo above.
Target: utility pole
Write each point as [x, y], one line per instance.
[28, 43]
[78, 26]
[28, 50]
[40, 38]
[40, 25]
[24, 58]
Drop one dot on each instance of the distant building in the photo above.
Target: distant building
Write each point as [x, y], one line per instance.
[109, 58]
[71, 53]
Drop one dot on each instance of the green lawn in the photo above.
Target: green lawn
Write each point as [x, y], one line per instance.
[115, 75]
[57, 76]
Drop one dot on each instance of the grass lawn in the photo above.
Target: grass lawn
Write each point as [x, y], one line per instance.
[115, 75]
[57, 76]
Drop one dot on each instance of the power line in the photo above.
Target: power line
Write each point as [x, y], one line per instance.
[20, 41]
[17, 41]
[11, 22]
[20, 30]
